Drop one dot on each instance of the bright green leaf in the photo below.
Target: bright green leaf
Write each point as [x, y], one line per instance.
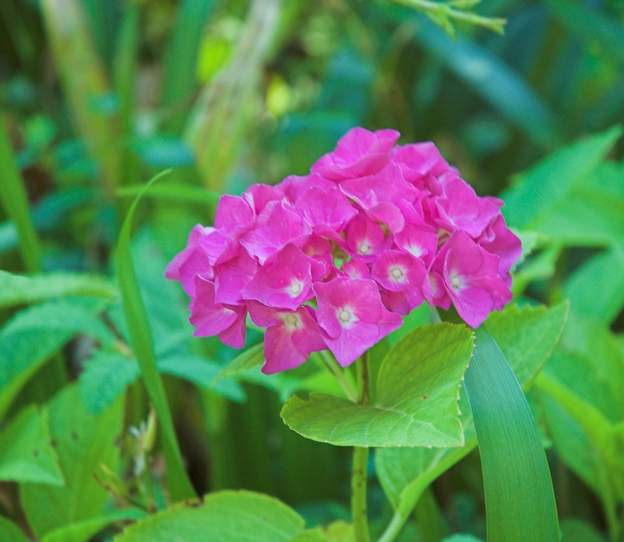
[84, 530]
[84, 443]
[416, 402]
[534, 193]
[20, 290]
[34, 334]
[519, 498]
[222, 517]
[11, 532]
[26, 453]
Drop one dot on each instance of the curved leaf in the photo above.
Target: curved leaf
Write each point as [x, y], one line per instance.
[519, 498]
[221, 517]
[416, 403]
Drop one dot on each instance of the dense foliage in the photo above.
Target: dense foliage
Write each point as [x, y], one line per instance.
[117, 423]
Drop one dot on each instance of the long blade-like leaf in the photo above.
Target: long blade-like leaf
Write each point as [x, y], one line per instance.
[13, 197]
[141, 339]
[519, 499]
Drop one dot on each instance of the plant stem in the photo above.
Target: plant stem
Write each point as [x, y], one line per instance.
[360, 465]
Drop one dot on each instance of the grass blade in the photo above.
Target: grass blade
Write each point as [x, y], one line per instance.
[15, 203]
[519, 498]
[84, 82]
[218, 120]
[141, 340]
[180, 78]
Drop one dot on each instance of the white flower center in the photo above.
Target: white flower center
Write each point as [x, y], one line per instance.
[457, 281]
[346, 316]
[363, 247]
[291, 320]
[415, 250]
[294, 288]
[397, 273]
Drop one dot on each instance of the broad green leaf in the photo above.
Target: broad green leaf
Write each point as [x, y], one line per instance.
[221, 517]
[33, 335]
[85, 530]
[142, 344]
[596, 289]
[519, 498]
[249, 359]
[461, 538]
[527, 337]
[494, 81]
[26, 452]
[11, 532]
[416, 402]
[312, 535]
[533, 194]
[20, 290]
[84, 444]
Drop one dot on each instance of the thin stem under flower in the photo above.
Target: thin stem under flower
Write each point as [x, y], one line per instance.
[360, 465]
[343, 379]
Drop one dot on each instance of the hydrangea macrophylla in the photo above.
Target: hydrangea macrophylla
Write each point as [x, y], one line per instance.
[334, 259]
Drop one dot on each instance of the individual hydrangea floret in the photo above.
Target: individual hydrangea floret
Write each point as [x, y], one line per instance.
[335, 259]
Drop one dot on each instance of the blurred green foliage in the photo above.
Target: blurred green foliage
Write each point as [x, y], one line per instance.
[97, 96]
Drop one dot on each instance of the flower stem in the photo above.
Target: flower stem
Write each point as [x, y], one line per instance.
[343, 379]
[360, 465]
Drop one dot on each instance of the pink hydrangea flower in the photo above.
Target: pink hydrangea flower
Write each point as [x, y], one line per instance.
[351, 314]
[334, 259]
[359, 152]
[211, 318]
[291, 336]
[284, 281]
[471, 278]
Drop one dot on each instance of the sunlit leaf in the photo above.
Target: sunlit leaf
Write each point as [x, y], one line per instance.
[416, 400]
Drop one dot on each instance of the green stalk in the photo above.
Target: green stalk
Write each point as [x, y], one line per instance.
[180, 486]
[180, 79]
[125, 66]
[15, 203]
[360, 465]
[218, 121]
[84, 84]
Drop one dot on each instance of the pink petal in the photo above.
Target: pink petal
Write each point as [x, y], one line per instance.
[234, 216]
[284, 281]
[232, 276]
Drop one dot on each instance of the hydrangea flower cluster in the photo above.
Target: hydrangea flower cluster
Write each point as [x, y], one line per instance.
[334, 259]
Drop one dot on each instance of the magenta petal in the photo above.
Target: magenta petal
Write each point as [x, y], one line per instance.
[232, 276]
[277, 225]
[284, 281]
[233, 216]
[208, 317]
[325, 209]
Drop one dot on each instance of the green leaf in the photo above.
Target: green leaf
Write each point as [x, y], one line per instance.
[142, 345]
[527, 337]
[84, 444]
[249, 359]
[33, 335]
[519, 498]
[21, 290]
[595, 290]
[416, 402]
[179, 192]
[15, 202]
[11, 532]
[221, 517]
[26, 453]
[531, 199]
[85, 530]
[462, 538]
